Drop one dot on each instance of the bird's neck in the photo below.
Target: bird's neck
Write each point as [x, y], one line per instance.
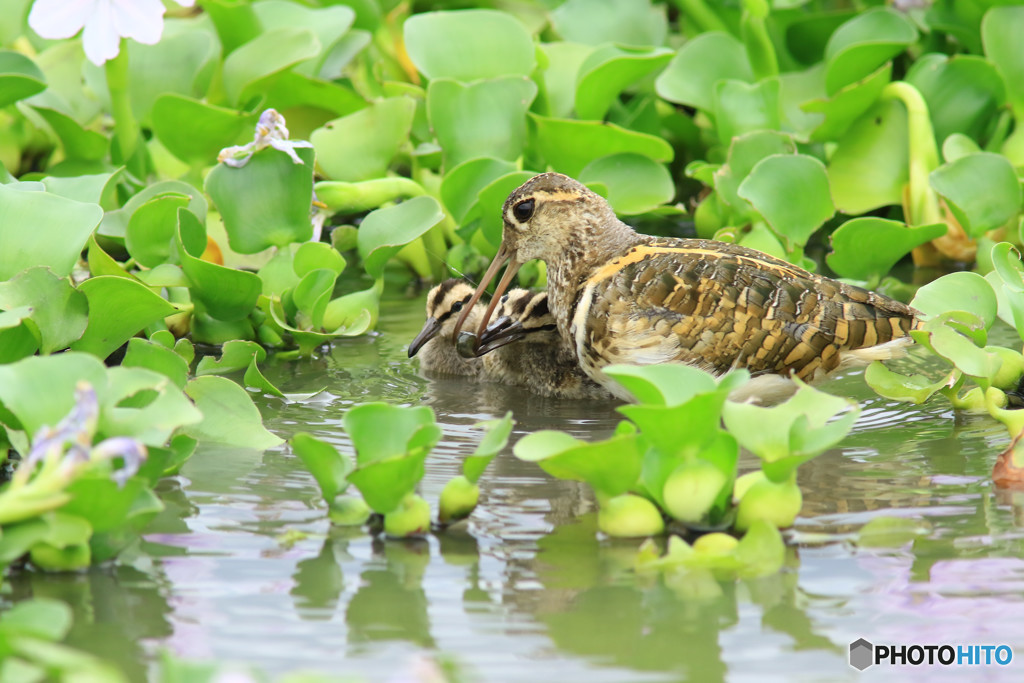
[595, 243]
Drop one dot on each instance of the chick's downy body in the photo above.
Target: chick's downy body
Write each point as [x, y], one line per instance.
[623, 297]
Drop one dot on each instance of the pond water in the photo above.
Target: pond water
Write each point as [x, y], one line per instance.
[525, 592]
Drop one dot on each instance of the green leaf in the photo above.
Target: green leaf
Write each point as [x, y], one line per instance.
[42, 229]
[568, 146]
[636, 184]
[40, 390]
[382, 432]
[981, 189]
[963, 93]
[741, 107]
[385, 483]
[898, 387]
[229, 416]
[611, 467]
[385, 231]
[115, 223]
[254, 379]
[745, 151]
[265, 203]
[361, 146]
[486, 212]
[151, 229]
[495, 439]
[627, 22]
[253, 64]
[179, 64]
[144, 405]
[329, 467]
[235, 355]
[19, 77]
[329, 24]
[666, 384]
[486, 118]
[119, 308]
[847, 104]
[38, 617]
[891, 532]
[609, 70]
[863, 44]
[958, 292]
[558, 81]
[58, 311]
[143, 353]
[79, 143]
[791, 191]
[1000, 32]
[227, 294]
[700, 64]
[469, 45]
[867, 248]
[461, 185]
[869, 167]
[195, 131]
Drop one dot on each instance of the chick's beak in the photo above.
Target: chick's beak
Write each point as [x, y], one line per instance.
[429, 331]
[501, 332]
[501, 257]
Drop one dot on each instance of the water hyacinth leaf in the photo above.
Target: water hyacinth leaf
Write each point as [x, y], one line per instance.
[144, 405]
[315, 255]
[960, 350]
[255, 379]
[226, 294]
[791, 191]
[544, 444]
[58, 311]
[609, 70]
[265, 203]
[981, 189]
[797, 88]
[469, 45]
[115, 222]
[895, 386]
[119, 308]
[380, 431]
[40, 617]
[863, 44]
[386, 482]
[329, 24]
[98, 188]
[679, 430]
[495, 439]
[278, 274]
[568, 146]
[234, 356]
[270, 53]
[745, 151]
[958, 145]
[627, 22]
[558, 81]
[761, 551]
[385, 231]
[17, 335]
[870, 165]
[40, 390]
[701, 63]
[963, 93]
[486, 118]
[150, 233]
[328, 466]
[42, 229]
[867, 248]
[143, 353]
[611, 467]
[354, 313]
[636, 184]
[19, 77]
[461, 185]
[108, 507]
[1000, 32]
[179, 64]
[79, 143]
[847, 104]
[196, 131]
[229, 416]
[311, 295]
[666, 384]
[741, 107]
[360, 146]
[958, 292]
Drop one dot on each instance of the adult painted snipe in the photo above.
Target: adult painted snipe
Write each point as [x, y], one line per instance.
[622, 297]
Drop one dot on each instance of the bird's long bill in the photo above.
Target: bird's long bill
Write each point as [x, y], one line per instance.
[501, 257]
[429, 331]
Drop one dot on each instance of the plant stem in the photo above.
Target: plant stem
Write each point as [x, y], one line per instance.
[922, 204]
[702, 16]
[126, 129]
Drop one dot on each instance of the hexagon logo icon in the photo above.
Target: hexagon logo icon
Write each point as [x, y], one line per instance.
[861, 654]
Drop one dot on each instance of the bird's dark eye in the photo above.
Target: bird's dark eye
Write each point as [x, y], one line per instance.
[456, 307]
[523, 210]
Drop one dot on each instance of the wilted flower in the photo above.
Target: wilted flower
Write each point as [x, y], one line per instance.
[105, 23]
[270, 132]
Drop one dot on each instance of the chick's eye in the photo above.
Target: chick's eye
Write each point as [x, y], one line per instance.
[523, 210]
[456, 307]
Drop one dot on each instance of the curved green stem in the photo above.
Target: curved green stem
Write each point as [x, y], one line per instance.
[760, 49]
[126, 129]
[922, 202]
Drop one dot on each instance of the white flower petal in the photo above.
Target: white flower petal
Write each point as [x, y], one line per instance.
[59, 18]
[186, 3]
[100, 41]
[141, 20]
